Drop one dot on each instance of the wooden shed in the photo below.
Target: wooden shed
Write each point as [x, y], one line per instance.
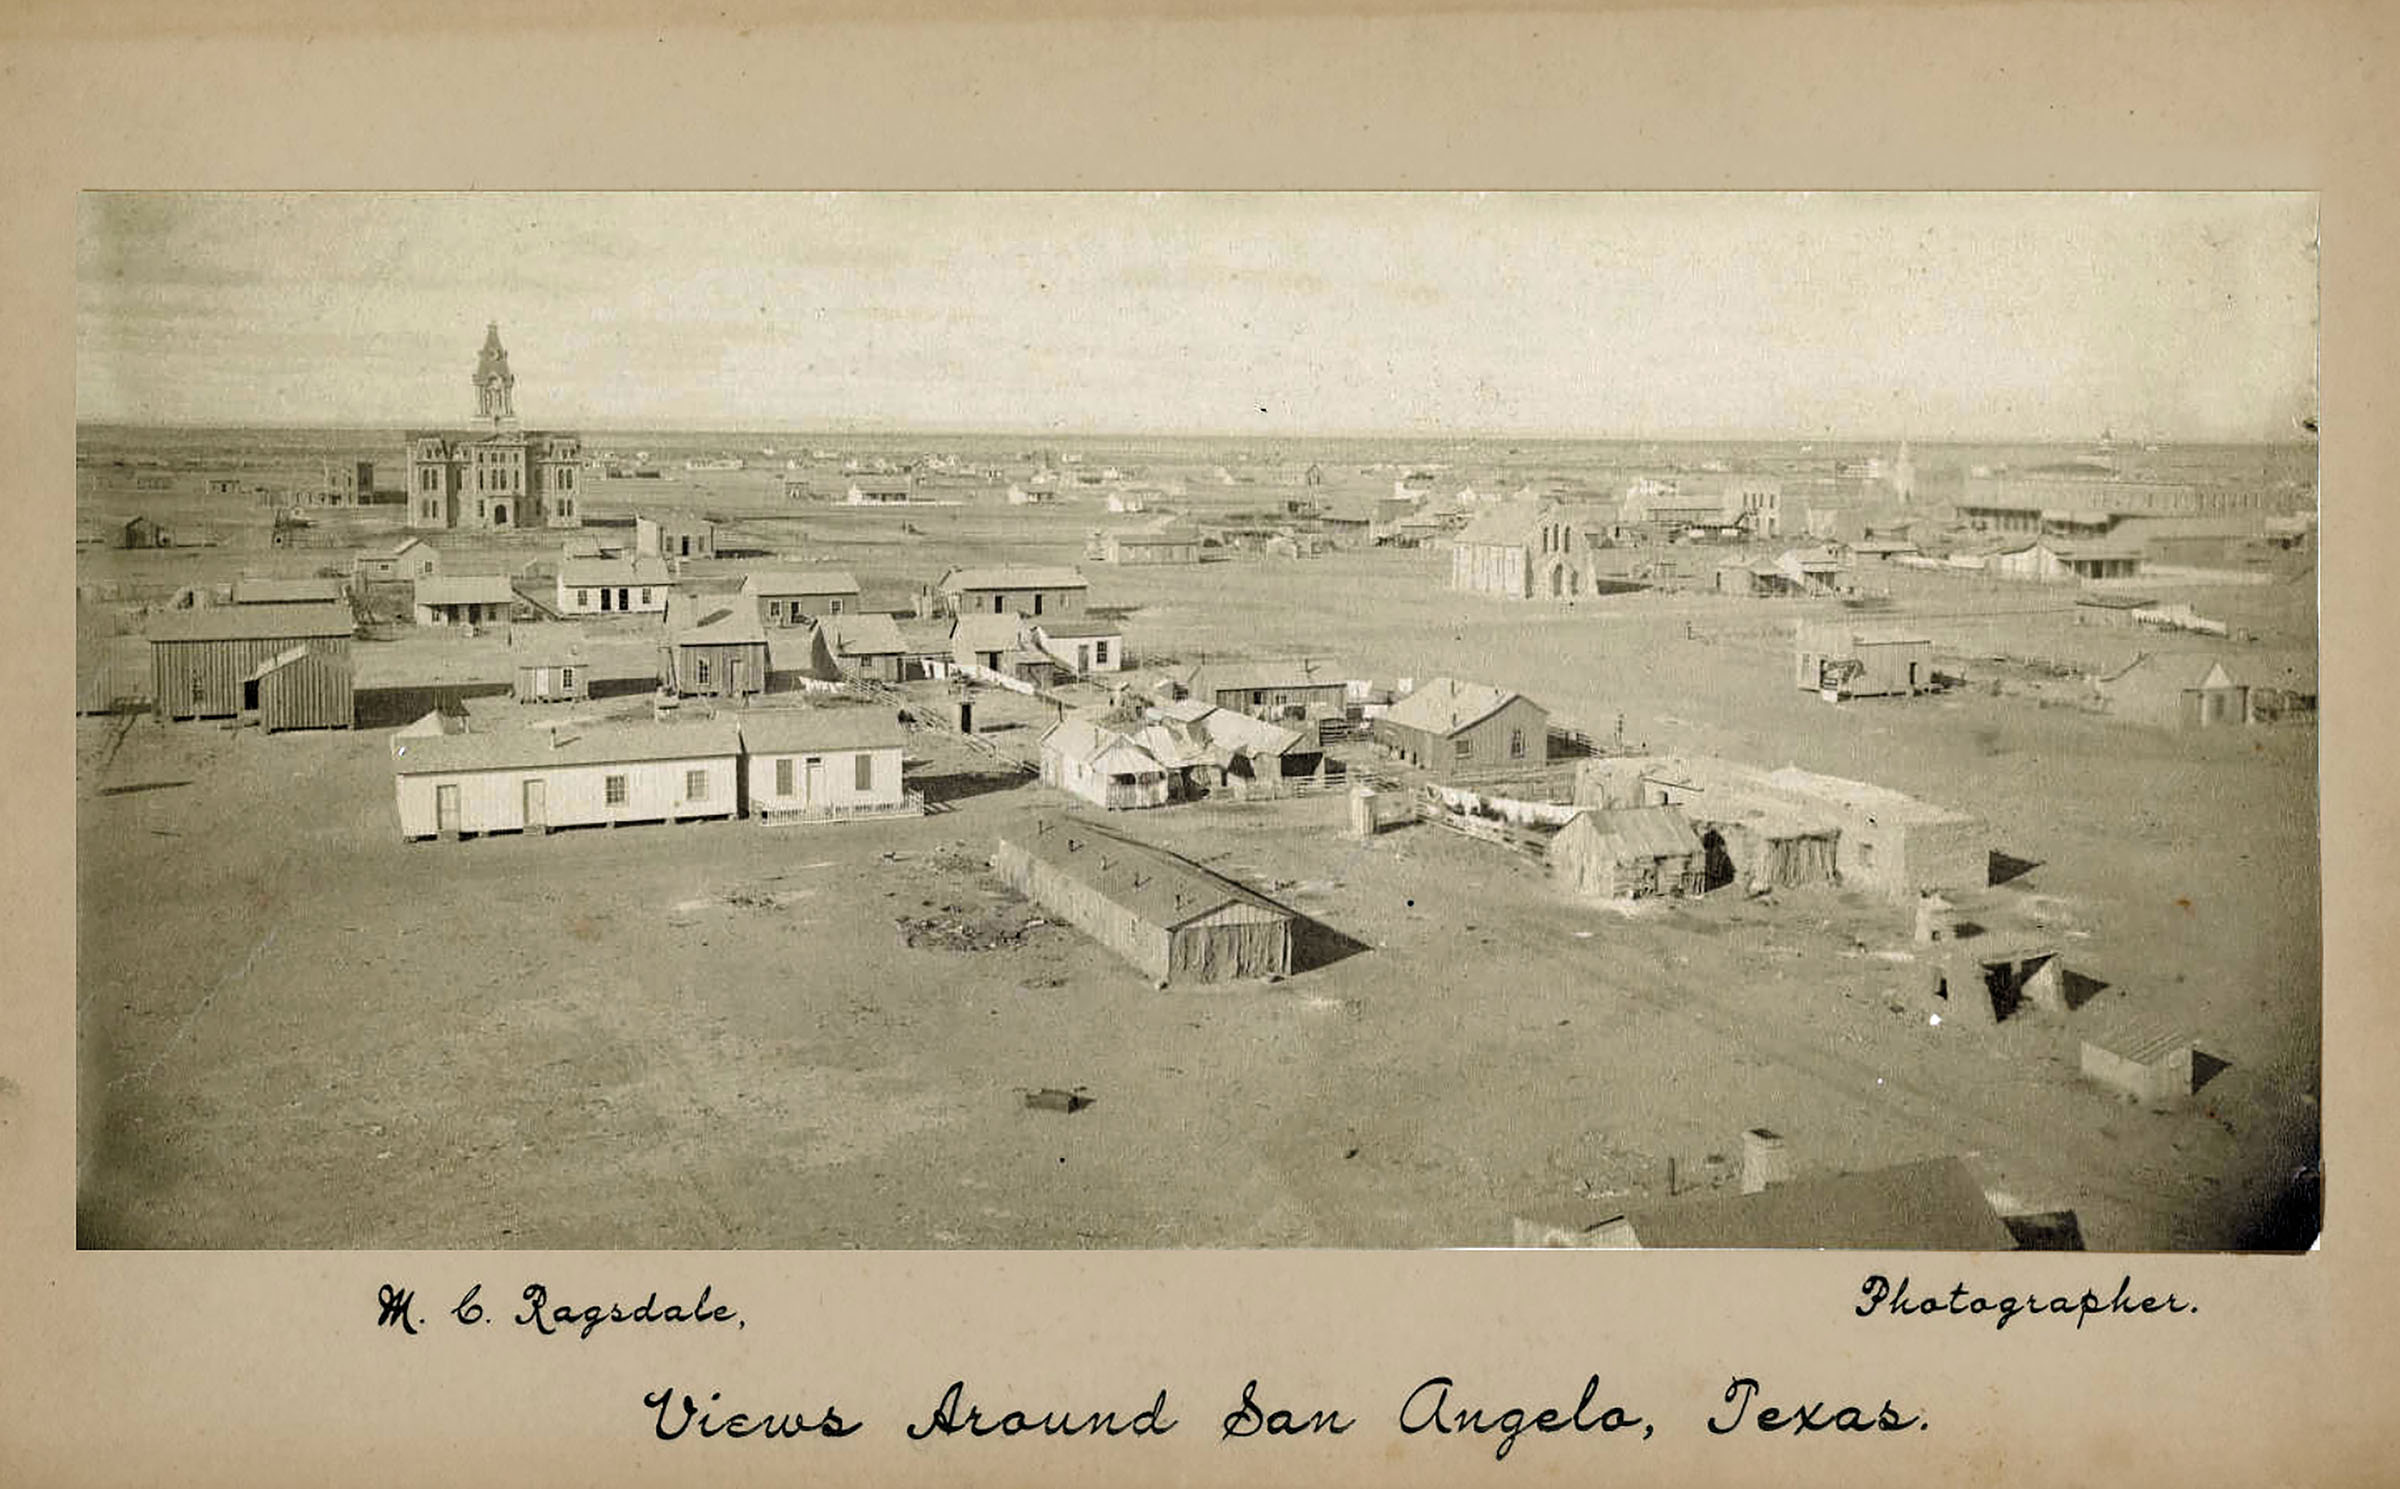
[2148, 1061]
[449, 782]
[1631, 853]
[550, 665]
[1171, 918]
[141, 532]
[208, 663]
[1840, 662]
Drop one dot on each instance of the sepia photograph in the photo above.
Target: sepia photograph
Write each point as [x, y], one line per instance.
[1014, 721]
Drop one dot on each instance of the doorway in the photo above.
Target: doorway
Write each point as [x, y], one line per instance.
[812, 781]
[445, 810]
[1716, 861]
[537, 806]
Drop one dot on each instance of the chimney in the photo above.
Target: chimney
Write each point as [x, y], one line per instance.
[1764, 1161]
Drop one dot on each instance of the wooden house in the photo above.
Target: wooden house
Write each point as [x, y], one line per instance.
[1172, 919]
[464, 600]
[1103, 766]
[1632, 853]
[882, 491]
[675, 536]
[410, 558]
[824, 763]
[1082, 645]
[714, 647]
[1839, 662]
[867, 646]
[141, 532]
[635, 584]
[1269, 690]
[796, 597]
[449, 782]
[1448, 727]
[1163, 543]
[551, 665]
[1030, 590]
[2176, 692]
[237, 661]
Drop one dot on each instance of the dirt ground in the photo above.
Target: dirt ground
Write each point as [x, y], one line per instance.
[299, 1031]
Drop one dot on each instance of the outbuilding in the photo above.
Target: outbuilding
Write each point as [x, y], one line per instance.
[1172, 919]
[1630, 853]
[1103, 766]
[215, 662]
[2145, 1059]
[1840, 662]
[452, 783]
[551, 665]
[141, 532]
[825, 763]
[867, 646]
[410, 558]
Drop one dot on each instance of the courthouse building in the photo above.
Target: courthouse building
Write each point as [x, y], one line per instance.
[496, 476]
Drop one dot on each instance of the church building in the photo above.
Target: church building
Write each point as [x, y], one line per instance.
[496, 476]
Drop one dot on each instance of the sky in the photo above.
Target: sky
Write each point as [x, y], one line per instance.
[2184, 316]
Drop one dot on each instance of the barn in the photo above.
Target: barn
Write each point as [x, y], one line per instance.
[715, 647]
[824, 764]
[1171, 918]
[1629, 853]
[452, 783]
[1447, 726]
[214, 662]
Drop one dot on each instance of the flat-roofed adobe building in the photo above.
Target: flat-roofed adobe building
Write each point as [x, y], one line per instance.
[1449, 727]
[453, 783]
[288, 666]
[633, 585]
[794, 597]
[1169, 917]
[825, 763]
[1021, 590]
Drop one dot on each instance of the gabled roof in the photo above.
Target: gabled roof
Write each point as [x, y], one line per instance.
[287, 591]
[465, 589]
[981, 633]
[532, 749]
[1072, 626]
[407, 543]
[1934, 1205]
[1445, 705]
[546, 646]
[1013, 577]
[783, 583]
[1513, 524]
[1638, 832]
[1157, 534]
[714, 620]
[871, 635]
[251, 623]
[776, 731]
[1157, 886]
[591, 573]
[1215, 677]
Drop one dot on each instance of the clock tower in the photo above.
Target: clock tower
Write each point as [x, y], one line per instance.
[495, 385]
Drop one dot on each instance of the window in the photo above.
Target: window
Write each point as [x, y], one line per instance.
[1465, 748]
[566, 678]
[695, 785]
[1516, 744]
[834, 606]
[783, 776]
[1100, 653]
[700, 670]
[866, 771]
[613, 790]
[1037, 604]
[583, 599]
[645, 595]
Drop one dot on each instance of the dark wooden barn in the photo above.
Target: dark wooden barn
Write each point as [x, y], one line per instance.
[286, 665]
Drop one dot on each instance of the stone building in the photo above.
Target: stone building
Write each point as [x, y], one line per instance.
[496, 476]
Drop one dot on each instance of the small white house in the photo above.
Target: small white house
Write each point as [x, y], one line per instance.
[630, 585]
[411, 558]
[825, 763]
[1081, 644]
[452, 783]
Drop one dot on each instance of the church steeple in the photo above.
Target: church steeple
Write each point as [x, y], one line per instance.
[495, 385]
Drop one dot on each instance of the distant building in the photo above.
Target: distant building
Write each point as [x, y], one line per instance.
[1270, 690]
[2051, 562]
[288, 666]
[882, 491]
[1172, 919]
[1161, 543]
[2176, 693]
[465, 600]
[410, 558]
[550, 665]
[1082, 645]
[1103, 766]
[1448, 727]
[498, 476]
[452, 783]
[675, 536]
[1024, 590]
[141, 532]
[793, 597]
[2087, 497]
[635, 585]
[1846, 663]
